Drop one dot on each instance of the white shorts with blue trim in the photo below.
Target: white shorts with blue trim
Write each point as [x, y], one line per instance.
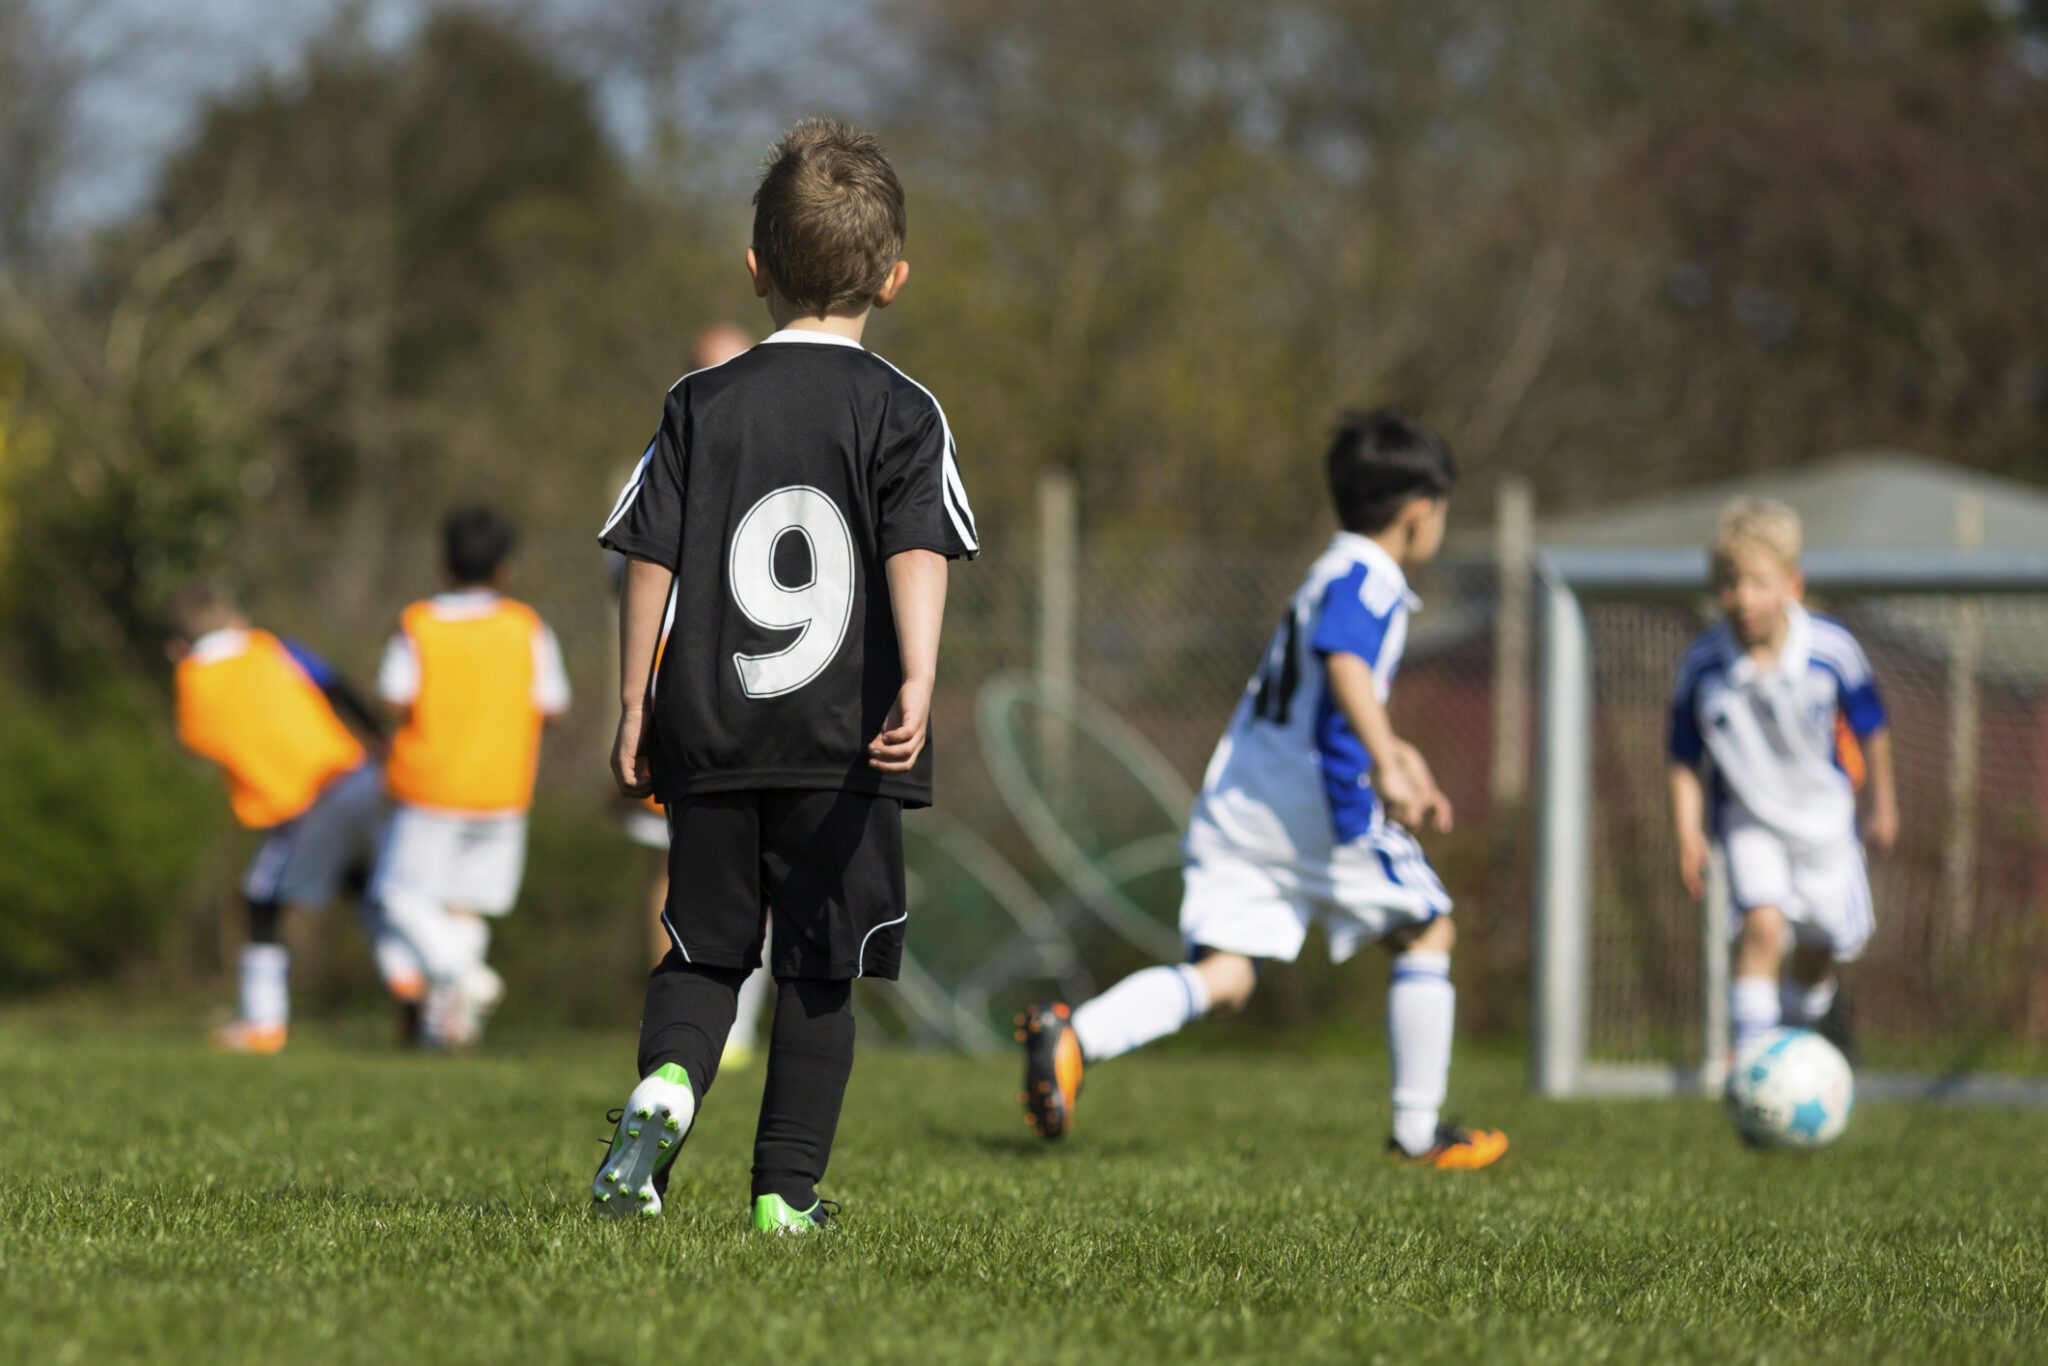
[1824, 894]
[1238, 900]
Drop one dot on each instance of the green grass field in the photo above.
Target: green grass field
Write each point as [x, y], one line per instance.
[345, 1203]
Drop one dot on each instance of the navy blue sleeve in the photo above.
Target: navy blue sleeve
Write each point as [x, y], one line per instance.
[1345, 625]
[1686, 745]
[323, 674]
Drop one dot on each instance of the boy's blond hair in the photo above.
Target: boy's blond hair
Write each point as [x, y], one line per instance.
[828, 218]
[1756, 524]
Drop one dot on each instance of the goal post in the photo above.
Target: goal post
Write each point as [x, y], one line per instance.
[1629, 983]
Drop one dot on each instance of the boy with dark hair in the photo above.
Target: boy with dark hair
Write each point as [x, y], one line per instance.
[796, 509]
[276, 718]
[474, 676]
[1304, 816]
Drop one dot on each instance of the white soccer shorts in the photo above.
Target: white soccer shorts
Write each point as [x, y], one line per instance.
[1824, 894]
[1242, 901]
[472, 862]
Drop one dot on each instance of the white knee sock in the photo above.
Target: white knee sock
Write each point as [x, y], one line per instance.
[445, 947]
[1144, 1006]
[1802, 1005]
[265, 998]
[1421, 1006]
[397, 964]
[1753, 1009]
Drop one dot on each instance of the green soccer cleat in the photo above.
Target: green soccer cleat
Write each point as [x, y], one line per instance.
[773, 1214]
[650, 1132]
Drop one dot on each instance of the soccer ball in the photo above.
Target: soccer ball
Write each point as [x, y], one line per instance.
[1791, 1089]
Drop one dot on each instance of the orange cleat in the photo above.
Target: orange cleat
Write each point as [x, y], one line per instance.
[240, 1036]
[1455, 1149]
[1052, 1067]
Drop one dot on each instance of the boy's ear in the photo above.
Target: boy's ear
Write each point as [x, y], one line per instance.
[1798, 586]
[899, 275]
[762, 282]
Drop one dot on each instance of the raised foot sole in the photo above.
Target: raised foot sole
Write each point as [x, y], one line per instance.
[658, 1115]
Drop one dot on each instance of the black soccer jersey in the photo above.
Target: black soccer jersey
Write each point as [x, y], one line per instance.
[777, 486]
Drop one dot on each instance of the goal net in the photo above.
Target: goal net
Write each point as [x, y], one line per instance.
[1951, 995]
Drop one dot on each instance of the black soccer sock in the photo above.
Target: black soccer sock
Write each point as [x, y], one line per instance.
[264, 917]
[689, 1011]
[810, 1056]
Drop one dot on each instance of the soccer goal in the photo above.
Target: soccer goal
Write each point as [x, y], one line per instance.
[1630, 977]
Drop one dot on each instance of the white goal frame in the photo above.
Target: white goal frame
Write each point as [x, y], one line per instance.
[1561, 964]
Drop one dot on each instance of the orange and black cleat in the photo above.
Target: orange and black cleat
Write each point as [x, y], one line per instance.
[1455, 1149]
[1052, 1066]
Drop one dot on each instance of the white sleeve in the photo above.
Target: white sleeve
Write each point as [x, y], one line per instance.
[398, 676]
[550, 675]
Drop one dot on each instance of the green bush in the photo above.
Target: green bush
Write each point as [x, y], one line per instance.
[104, 825]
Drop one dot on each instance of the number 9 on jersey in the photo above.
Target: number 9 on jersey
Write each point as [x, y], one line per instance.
[817, 610]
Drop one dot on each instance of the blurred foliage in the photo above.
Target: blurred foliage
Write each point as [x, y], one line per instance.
[1612, 248]
[105, 831]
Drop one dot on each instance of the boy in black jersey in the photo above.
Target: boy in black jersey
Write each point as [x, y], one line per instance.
[795, 511]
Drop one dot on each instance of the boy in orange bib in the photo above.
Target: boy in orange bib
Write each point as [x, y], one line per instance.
[269, 712]
[474, 675]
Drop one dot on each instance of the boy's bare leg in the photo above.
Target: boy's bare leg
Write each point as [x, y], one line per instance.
[1754, 1006]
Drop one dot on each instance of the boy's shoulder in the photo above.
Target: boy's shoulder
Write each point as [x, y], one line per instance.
[755, 373]
[1834, 642]
[1708, 652]
[460, 605]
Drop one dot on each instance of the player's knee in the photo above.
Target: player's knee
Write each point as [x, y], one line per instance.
[1231, 978]
[1437, 935]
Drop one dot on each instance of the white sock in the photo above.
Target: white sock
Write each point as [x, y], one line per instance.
[445, 948]
[1421, 1005]
[470, 936]
[397, 964]
[265, 998]
[746, 1021]
[1144, 1006]
[1753, 1009]
[1804, 1006]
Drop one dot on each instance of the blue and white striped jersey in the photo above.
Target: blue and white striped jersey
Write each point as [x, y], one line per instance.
[1290, 775]
[1770, 734]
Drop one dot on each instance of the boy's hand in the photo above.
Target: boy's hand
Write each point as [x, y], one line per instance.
[1692, 862]
[1409, 802]
[896, 749]
[1434, 807]
[1881, 830]
[630, 769]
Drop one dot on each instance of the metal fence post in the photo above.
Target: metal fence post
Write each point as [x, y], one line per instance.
[1557, 1052]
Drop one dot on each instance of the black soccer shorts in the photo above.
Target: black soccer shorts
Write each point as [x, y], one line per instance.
[827, 865]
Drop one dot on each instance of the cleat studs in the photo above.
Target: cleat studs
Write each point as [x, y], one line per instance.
[1044, 1088]
[664, 1145]
[633, 1133]
[612, 1176]
[674, 1125]
[603, 1196]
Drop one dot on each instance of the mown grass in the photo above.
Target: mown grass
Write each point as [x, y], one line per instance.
[346, 1203]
